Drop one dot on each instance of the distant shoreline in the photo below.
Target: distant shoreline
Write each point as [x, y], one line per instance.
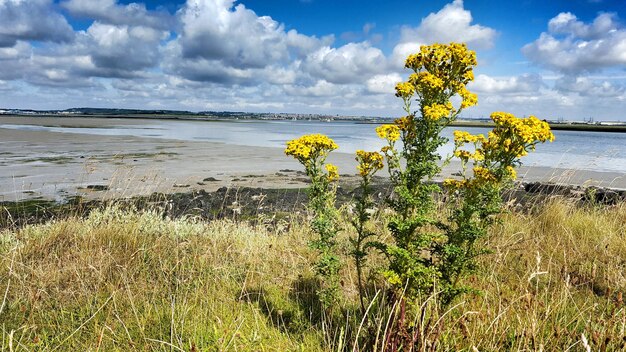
[557, 126]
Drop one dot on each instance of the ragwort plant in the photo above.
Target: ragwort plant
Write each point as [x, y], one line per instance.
[311, 151]
[368, 164]
[478, 197]
[440, 72]
[431, 253]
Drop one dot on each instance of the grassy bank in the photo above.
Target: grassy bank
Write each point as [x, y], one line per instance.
[129, 280]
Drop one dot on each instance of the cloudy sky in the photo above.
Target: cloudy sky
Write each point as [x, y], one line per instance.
[558, 59]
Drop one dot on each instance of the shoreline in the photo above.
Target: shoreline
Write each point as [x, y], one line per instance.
[557, 126]
[57, 165]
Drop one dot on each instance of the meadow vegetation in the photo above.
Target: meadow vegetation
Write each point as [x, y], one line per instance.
[127, 280]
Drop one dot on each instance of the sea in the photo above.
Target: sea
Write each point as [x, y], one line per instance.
[579, 150]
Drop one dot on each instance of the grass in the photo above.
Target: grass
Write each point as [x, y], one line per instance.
[125, 280]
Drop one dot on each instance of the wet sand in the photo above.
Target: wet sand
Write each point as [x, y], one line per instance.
[54, 165]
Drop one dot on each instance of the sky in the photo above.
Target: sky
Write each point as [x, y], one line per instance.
[557, 60]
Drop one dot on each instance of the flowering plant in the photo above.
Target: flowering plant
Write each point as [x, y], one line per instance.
[311, 151]
[430, 254]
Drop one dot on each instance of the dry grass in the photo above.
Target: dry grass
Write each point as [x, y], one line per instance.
[127, 280]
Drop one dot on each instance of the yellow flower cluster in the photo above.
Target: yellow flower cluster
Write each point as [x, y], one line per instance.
[469, 98]
[462, 137]
[483, 175]
[440, 71]
[496, 155]
[388, 132]
[369, 162]
[529, 130]
[332, 172]
[404, 90]
[465, 155]
[403, 123]
[436, 111]
[442, 55]
[310, 147]
[426, 80]
[511, 172]
[515, 135]
[453, 184]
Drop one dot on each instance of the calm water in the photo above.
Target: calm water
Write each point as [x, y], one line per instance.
[599, 151]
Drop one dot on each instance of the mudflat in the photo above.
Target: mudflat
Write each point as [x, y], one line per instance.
[55, 165]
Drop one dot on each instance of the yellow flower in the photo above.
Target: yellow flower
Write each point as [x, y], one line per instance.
[442, 66]
[369, 162]
[483, 175]
[332, 172]
[469, 98]
[478, 155]
[426, 80]
[511, 171]
[462, 137]
[518, 135]
[310, 147]
[404, 89]
[436, 111]
[453, 184]
[463, 154]
[403, 123]
[388, 132]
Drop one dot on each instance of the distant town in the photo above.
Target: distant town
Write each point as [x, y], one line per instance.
[561, 124]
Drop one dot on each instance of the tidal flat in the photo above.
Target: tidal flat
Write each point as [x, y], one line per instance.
[38, 163]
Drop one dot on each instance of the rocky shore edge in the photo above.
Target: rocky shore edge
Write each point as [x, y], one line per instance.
[273, 204]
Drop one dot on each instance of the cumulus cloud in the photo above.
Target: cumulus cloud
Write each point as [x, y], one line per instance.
[351, 63]
[236, 36]
[14, 61]
[587, 87]
[32, 20]
[321, 88]
[224, 43]
[453, 23]
[109, 11]
[572, 46]
[383, 84]
[124, 48]
[527, 83]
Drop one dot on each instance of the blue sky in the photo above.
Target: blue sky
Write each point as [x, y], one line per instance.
[554, 59]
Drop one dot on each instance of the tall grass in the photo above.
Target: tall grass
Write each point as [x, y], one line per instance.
[129, 280]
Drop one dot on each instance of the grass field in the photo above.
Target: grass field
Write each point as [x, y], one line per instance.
[120, 279]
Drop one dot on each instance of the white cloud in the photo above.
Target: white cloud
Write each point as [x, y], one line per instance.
[236, 36]
[351, 63]
[383, 84]
[527, 83]
[566, 23]
[453, 23]
[32, 20]
[227, 44]
[572, 46]
[587, 87]
[123, 48]
[109, 11]
[321, 88]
